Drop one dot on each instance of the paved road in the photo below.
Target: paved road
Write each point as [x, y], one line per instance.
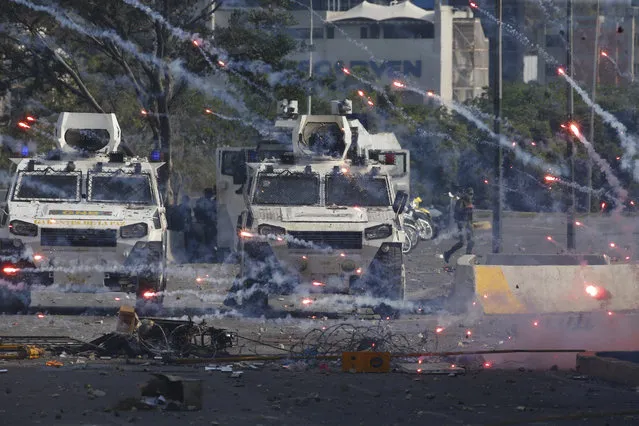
[99, 394]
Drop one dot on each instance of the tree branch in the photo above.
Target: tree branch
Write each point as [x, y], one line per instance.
[86, 93]
[205, 12]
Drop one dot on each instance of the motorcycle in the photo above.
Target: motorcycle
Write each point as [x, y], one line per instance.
[412, 237]
[419, 224]
[423, 218]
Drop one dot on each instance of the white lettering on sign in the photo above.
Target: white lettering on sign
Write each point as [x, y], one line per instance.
[80, 222]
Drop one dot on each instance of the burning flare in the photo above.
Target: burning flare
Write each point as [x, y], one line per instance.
[593, 291]
[575, 130]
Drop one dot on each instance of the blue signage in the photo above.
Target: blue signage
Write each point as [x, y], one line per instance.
[392, 69]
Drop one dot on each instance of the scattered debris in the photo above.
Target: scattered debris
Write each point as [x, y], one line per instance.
[54, 363]
[224, 368]
[13, 351]
[431, 368]
[173, 393]
[159, 338]
[127, 320]
[96, 393]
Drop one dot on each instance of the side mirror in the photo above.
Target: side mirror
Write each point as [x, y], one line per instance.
[401, 198]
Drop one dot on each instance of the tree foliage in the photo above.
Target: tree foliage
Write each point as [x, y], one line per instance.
[89, 55]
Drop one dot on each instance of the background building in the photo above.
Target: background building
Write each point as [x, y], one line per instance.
[544, 25]
[443, 49]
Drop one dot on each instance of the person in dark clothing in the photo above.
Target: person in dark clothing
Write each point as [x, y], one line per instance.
[463, 216]
[183, 215]
[184, 223]
[205, 212]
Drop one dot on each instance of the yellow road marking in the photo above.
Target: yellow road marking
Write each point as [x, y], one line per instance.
[494, 293]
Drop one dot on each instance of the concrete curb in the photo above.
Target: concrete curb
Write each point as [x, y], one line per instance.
[612, 366]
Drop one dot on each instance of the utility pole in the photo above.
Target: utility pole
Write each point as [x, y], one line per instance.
[570, 146]
[310, 58]
[595, 75]
[496, 57]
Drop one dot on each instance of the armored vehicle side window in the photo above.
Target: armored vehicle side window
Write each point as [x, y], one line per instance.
[43, 186]
[120, 188]
[289, 189]
[367, 191]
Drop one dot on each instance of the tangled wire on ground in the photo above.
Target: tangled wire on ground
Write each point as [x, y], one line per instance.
[345, 337]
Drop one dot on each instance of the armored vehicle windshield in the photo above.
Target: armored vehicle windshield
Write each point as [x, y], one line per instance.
[358, 190]
[120, 188]
[288, 188]
[47, 186]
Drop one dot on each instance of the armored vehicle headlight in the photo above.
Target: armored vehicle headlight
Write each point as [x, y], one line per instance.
[348, 266]
[270, 230]
[25, 229]
[137, 230]
[378, 232]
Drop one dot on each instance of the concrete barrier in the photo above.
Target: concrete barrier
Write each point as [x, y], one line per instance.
[537, 286]
[545, 259]
[620, 367]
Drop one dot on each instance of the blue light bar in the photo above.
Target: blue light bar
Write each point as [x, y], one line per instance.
[25, 151]
[156, 155]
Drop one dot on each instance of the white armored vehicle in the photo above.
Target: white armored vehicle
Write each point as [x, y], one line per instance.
[321, 214]
[85, 216]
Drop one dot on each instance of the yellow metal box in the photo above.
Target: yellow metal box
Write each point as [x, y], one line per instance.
[366, 362]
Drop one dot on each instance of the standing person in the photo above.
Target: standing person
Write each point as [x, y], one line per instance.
[206, 214]
[463, 215]
[184, 219]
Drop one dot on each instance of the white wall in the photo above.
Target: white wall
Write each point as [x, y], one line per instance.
[420, 61]
[444, 37]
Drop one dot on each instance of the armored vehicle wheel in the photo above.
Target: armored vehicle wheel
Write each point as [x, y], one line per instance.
[386, 276]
